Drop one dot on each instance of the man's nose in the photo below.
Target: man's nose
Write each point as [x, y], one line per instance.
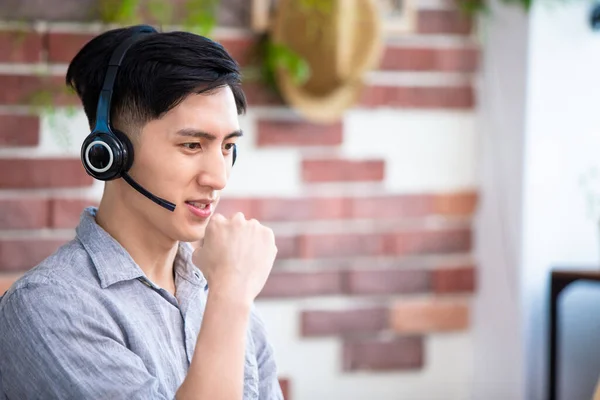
[213, 171]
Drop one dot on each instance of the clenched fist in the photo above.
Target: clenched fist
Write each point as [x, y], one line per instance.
[236, 256]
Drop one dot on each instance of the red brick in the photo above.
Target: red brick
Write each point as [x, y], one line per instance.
[62, 47]
[19, 89]
[458, 204]
[257, 94]
[342, 170]
[282, 209]
[425, 97]
[300, 284]
[231, 205]
[391, 206]
[397, 243]
[426, 316]
[65, 213]
[335, 208]
[20, 46]
[241, 49]
[6, 281]
[453, 280]
[48, 10]
[444, 21]
[24, 213]
[403, 353]
[19, 130]
[35, 90]
[333, 245]
[343, 322]
[287, 246]
[387, 281]
[21, 173]
[24, 254]
[327, 208]
[285, 384]
[295, 133]
[460, 59]
[429, 242]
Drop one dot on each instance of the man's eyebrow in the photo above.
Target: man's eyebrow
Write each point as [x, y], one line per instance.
[190, 132]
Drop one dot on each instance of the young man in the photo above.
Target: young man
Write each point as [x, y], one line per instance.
[124, 311]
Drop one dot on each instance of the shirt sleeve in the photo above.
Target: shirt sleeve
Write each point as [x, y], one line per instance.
[269, 388]
[56, 343]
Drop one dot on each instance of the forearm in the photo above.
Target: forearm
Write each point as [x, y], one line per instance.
[217, 368]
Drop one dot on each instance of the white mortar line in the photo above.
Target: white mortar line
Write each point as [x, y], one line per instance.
[367, 226]
[59, 234]
[68, 193]
[385, 78]
[341, 302]
[407, 262]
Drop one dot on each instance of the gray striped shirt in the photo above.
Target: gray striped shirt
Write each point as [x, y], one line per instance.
[87, 324]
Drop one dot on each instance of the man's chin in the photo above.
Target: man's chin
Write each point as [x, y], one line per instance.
[192, 236]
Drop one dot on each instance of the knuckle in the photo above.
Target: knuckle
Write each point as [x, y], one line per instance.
[254, 222]
[217, 217]
[239, 217]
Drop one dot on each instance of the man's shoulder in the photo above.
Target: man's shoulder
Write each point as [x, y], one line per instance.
[66, 268]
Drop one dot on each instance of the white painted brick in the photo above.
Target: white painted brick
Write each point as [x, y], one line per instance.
[425, 151]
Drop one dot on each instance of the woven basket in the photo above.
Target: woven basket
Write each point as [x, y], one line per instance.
[340, 45]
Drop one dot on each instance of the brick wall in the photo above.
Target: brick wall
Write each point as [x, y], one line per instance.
[371, 294]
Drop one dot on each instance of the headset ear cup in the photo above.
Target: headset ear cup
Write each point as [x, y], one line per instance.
[127, 151]
[103, 156]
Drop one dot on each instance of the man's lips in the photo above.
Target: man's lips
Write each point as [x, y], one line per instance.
[200, 208]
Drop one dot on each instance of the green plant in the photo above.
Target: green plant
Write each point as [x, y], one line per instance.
[119, 11]
[472, 7]
[268, 57]
[46, 101]
[200, 17]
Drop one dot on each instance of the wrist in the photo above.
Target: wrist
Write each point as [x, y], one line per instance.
[229, 297]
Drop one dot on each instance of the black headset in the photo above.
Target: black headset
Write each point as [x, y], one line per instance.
[106, 152]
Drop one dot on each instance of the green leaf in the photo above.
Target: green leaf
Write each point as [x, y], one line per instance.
[119, 11]
[280, 56]
[161, 11]
[201, 16]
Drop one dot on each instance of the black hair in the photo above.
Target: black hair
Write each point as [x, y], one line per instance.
[158, 72]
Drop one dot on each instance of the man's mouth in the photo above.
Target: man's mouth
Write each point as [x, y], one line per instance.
[200, 208]
[198, 205]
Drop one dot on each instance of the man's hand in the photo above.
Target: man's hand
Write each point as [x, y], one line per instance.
[236, 256]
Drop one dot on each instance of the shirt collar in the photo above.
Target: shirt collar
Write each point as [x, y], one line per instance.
[114, 264]
[185, 268]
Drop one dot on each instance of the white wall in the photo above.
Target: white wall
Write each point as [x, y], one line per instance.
[541, 132]
[498, 356]
[563, 141]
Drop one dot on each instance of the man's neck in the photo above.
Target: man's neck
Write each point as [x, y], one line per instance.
[152, 252]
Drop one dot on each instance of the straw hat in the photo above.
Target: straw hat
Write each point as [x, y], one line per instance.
[340, 40]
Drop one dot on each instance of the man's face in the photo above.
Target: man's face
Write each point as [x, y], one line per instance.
[186, 158]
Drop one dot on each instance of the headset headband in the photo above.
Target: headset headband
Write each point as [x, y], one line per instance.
[104, 102]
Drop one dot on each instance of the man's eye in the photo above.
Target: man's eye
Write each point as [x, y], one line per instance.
[229, 146]
[192, 146]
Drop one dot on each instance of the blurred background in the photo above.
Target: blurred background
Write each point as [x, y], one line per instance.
[429, 167]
